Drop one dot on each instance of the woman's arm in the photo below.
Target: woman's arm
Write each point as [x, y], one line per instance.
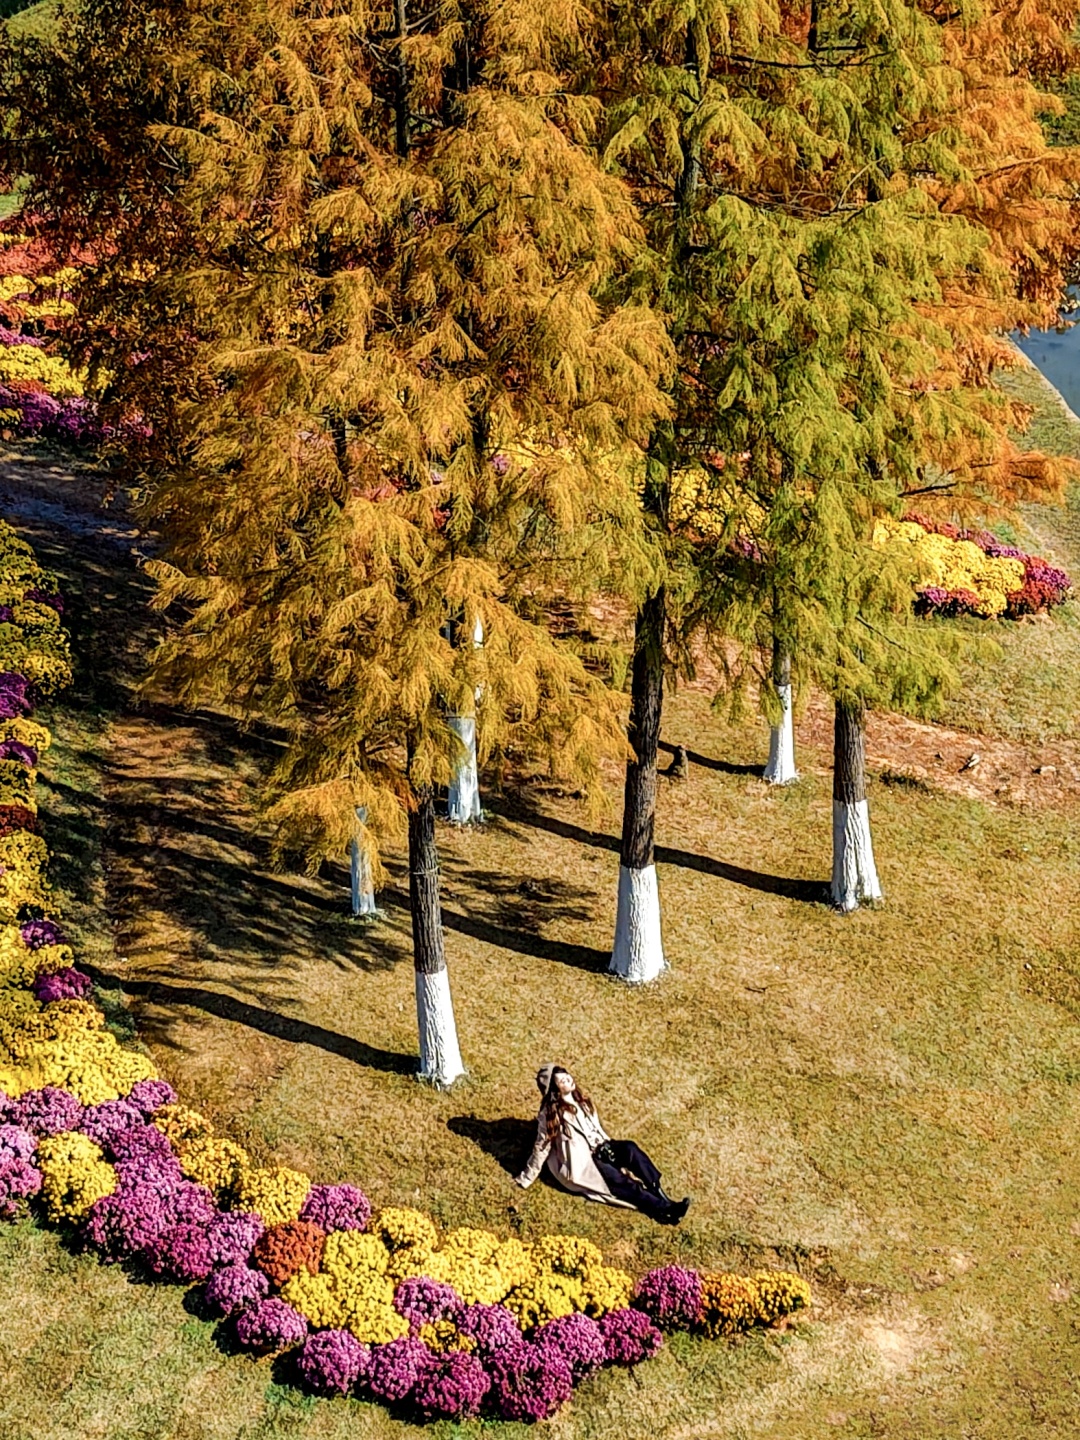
[539, 1154]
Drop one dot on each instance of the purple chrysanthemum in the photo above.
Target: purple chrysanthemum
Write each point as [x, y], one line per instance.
[68, 984]
[38, 933]
[629, 1336]
[528, 1383]
[48, 1111]
[15, 749]
[234, 1286]
[16, 1143]
[19, 1180]
[396, 1368]
[104, 1122]
[422, 1301]
[142, 1144]
[270, 1325]
[578, 1340]
[493, 1327]
[233, 1234]
[336, 1207]
[671, 1297]
[52, 598]
[150, 1095]
[180, 1252]
[16, 695]
[451, 1386]
[333, 1361]
[130, 1221]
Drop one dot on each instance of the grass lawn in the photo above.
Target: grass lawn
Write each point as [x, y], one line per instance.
[39, 21]
[889, 1102]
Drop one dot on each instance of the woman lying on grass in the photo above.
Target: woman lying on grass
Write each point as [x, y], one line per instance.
[586, 1161]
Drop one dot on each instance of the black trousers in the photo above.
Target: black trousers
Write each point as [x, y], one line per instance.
[644, 1196]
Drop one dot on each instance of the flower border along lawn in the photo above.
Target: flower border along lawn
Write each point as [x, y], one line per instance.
[92, 1140]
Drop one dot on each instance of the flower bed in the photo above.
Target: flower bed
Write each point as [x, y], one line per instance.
[970, 572]
[385, 1305]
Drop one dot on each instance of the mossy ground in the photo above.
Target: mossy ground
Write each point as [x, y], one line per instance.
[889, 1102]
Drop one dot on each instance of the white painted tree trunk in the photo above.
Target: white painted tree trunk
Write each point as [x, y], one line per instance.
[463, 797]
[440, 1057]
[363, 891]
[781, 767]
[854, 876]
[638, 953]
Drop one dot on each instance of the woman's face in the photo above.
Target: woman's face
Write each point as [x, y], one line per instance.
[565, 1082]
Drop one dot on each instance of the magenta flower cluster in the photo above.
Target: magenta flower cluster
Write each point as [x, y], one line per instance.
[20, 1179]
[15, 749]
[38, 933]
[629, 1336]
[68, 984]
[16, 695]
[422, 1301]
[333, 1362]
[577, 1340]
[235, 1286]
[336, 1207]
[48, 1111]
[270, 1325]
[492, 1327]
[671, 1297]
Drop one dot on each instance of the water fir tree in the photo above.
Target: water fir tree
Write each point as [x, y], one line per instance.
[405, 405]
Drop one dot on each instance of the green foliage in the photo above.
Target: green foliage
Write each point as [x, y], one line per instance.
[406, 401]
[821, 272]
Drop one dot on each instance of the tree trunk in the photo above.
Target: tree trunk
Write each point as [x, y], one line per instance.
[363, 892]
[780, 769]
[638, 953]
[401, 84]
[440, 1057]
[854, 877]
[463, 796]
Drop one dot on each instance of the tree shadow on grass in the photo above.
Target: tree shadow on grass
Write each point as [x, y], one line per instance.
[268, 1022]
[478, 926]
[707, 762]
[520, 812]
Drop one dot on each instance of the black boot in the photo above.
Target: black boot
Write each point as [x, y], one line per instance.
[677, 1210]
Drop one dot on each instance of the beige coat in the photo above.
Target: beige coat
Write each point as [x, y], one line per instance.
[569, 1159]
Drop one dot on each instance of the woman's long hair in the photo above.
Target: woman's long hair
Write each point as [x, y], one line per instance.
[556, 1109]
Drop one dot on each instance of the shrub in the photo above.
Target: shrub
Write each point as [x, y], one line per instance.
[451, 1386]
[277, 1193]
[528, 1383]
[233, 1287]
[629, 1337]
[283, 1250]
[332, 1362]
[578, 1340]
[336, 1207]
[395, 1369]
[270, 1325]
[74, 1175]
[671, 1297]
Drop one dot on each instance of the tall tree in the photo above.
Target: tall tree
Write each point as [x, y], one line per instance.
[830, 289]
[408, 400]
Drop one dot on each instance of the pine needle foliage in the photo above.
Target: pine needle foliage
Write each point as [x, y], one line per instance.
[399, 398]
[824, 238]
